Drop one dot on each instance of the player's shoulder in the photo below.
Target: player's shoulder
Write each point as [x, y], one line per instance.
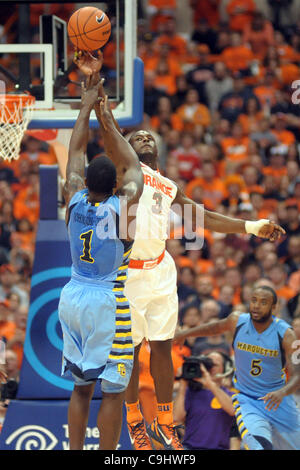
[169, 186]
[281, 326]
[238, 319]
[78, 196]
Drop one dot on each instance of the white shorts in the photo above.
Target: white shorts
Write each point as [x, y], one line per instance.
[152, 294]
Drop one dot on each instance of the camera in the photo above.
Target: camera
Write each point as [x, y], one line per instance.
[191, 367]
[8, 390]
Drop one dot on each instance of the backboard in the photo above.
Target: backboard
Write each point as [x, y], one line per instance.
[37, 57]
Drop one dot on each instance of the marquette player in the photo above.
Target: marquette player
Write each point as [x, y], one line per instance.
[266, 413]
[93, 311]
[151, 285]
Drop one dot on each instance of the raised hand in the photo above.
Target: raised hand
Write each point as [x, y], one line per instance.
[90, 90]
[88, 63]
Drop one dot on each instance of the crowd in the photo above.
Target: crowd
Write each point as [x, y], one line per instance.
[222, 107]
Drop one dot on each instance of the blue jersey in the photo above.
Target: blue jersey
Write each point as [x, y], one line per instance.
[259, 357]
[96, 250]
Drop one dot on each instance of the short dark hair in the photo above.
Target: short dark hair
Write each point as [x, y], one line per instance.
[101, 176]
[269, 289]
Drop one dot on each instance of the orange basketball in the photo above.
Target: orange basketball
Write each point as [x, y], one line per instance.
[89, 28]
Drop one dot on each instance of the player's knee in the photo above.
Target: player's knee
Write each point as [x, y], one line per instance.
[265, 443]
[116, 398]
[84, 391]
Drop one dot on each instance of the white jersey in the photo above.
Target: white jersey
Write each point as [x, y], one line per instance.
[153, 213]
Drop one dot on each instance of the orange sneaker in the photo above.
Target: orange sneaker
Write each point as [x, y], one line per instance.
[139, 437]
[165, 435]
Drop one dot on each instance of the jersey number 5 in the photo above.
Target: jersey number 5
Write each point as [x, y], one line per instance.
[87, 240]
[256, 368]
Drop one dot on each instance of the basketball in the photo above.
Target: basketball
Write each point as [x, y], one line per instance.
[89, 29]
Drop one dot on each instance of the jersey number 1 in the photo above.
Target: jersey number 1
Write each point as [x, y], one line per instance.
[87, 240]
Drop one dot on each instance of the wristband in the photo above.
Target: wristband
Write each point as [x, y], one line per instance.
[254, 227]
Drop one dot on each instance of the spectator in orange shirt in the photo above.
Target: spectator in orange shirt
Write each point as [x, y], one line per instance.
[284, 50]
[34, 153]
[265, 92]
[213, 188]
[284, 136]
[176, 42]
[236, 147]
[160, 11]
[236, 194]
[237, 57]
[7, 325]
[27, 202]
[278, 276]
[16, 342]
[277, 162]
[165, 114]
[250, 118]
[207, 9]
[240, 13]
[259, 34]
[193, 113]
[164, 54]
[164, 81]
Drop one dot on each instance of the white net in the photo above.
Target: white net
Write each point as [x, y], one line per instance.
[15, 115]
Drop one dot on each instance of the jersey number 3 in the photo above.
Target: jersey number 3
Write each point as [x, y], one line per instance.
[158, 203]
[86, 237]
[256, 368]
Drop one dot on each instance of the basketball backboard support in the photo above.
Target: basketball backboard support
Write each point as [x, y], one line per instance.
[53, 113]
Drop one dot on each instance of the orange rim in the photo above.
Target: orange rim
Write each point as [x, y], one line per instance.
[13, 106]
[23, 100]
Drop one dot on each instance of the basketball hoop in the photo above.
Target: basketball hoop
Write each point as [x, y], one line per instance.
[15, 114]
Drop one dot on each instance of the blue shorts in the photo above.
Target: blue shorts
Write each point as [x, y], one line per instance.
[97, 342]
[263, 429]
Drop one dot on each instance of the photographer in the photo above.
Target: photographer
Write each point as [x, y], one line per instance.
[203, 404]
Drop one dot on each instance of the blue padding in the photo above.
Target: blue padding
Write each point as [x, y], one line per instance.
[48, 192]
[137, 106]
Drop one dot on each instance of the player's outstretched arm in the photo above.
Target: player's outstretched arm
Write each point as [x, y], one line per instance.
[291, 347]
[213, 327]
[223, 224]
[79, 139]
[119, 150]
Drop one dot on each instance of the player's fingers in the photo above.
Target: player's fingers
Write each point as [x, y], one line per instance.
[106, 102]
[279, 229]
[101, 92]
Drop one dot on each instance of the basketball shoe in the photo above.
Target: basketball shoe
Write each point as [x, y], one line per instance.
[138, 436]
[165, 435]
